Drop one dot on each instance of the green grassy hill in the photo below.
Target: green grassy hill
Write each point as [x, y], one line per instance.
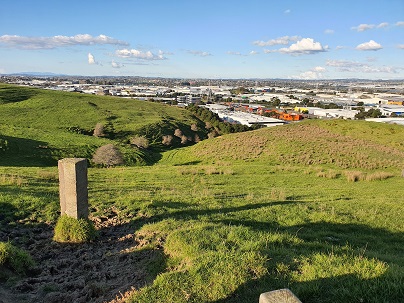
[41, 126]
[316, 207]
[338, 144]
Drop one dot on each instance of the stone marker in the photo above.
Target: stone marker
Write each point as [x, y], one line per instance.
[73, 187]
[279, 296]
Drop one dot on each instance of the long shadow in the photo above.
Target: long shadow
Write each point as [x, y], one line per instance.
[189, 214]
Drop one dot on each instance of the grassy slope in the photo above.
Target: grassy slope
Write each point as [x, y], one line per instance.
[248, 213]
[32, 119]
[309, 143]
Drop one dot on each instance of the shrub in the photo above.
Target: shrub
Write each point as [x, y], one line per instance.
[178, 133]
[15, 258]
[213, 134]
[185, 139]
[99, 130]
[140, 142]
[71, 230]
[108, 155]
[167, 140]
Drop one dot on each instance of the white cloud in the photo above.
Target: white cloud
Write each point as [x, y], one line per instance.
[329, 31]
[91, 59]
[304, 46]
[382, 25]
[401, 46]
[199, 53]
[285, 40]
[400, 23]
[253, 53]
[339, 47]
[363, 27]
[314, 73]
[288, 11]
[358, 67]
[369, 46]
[319, 69]
[137, 54]
[24, 42]
[116, 64]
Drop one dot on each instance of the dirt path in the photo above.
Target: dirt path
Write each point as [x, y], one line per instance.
[93, 272]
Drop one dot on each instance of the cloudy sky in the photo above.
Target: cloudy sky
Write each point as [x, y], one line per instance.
[205, 39]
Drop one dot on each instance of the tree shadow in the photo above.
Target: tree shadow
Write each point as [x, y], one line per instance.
[21, 152]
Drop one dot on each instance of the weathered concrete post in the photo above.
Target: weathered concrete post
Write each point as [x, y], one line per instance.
[73, 187]
[279, 296]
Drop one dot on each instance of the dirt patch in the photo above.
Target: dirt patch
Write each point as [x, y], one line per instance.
[105, 270]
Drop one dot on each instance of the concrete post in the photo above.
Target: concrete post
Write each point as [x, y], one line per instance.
[73, 187]
[279, 296]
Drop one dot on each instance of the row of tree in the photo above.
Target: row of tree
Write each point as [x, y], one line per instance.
[214, 123]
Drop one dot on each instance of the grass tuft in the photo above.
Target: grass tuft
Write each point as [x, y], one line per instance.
[71, 230]
[15, 258]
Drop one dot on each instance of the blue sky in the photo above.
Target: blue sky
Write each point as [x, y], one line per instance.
[205, 39]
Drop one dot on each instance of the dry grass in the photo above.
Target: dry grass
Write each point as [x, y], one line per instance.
[13, 180]
[330, 174]
[379, 176]
[278, 194]
[48, 175]
[354, 176]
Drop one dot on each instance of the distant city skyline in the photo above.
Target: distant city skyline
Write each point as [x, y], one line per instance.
[205, 39]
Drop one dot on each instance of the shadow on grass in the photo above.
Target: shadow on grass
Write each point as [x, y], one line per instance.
[21, 152]
[357, 242]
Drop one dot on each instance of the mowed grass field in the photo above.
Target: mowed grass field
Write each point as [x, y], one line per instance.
[316, 207]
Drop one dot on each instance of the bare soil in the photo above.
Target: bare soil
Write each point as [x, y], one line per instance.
[106, 270]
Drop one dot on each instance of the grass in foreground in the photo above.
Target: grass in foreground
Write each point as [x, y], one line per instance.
[327, 239]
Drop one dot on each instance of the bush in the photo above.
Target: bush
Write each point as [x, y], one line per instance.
[185, 139]
[15, 258]
[178, 133]
[71, 230]
[108, 155]
[167, 140]
[140, 142]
